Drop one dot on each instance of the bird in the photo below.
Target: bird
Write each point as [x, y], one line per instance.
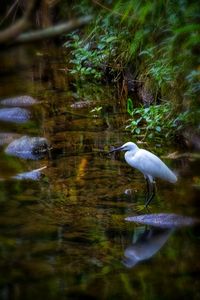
[150, 165]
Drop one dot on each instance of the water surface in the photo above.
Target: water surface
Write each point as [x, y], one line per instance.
[64, 236]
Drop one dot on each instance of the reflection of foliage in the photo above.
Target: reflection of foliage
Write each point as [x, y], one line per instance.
[93, 92]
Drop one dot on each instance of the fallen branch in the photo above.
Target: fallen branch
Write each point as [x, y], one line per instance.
[52, 31]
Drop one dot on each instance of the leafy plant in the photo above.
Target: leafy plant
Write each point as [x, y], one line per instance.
[85, 62]
[165, 51]
[96, 111]
[155, 119]
[162, 72]
[91, 58]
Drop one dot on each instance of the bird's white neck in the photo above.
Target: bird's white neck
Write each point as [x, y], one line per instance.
[131, 153]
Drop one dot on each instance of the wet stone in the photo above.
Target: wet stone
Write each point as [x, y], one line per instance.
[14, 115]
[163, 220]
[28, 147]
[31, 175]
[81, 104]
[19, 101]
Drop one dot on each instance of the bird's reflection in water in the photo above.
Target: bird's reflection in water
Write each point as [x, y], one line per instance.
[146, 243]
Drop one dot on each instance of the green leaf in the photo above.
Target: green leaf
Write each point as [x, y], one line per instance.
[158, 128]
[187, 28]
[150, 136]
[111, 39]
[134, 123]
[130, 106]
[137, 130]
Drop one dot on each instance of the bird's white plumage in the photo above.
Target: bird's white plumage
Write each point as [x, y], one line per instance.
[147, 163]
[150, 165]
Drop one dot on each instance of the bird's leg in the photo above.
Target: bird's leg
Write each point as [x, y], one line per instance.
[151, 193]
[148, 188]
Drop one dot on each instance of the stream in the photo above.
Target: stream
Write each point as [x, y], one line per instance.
[66, 205]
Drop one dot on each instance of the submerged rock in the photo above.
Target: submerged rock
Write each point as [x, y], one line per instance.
[163, 220]
[19, 101]
[31, 175]
[28, 147]
[81, 104]
[14, 115]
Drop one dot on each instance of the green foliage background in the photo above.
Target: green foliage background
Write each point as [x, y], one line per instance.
[159, 40]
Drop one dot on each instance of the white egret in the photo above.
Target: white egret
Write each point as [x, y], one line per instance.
[149, 164]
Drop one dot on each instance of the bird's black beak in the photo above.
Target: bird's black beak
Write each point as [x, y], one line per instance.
[115, 149]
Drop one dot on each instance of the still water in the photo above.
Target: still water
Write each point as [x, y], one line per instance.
[63, 234]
